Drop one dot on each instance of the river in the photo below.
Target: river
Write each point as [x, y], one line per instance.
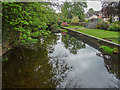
[61, 61]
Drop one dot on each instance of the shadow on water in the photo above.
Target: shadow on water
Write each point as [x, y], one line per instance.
[59, 62]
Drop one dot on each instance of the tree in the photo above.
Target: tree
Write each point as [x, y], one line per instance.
[75, 20]
[91, 10]
[73, 8]
[24, 22]
[111, 9]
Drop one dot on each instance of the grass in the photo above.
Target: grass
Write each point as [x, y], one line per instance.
[75, 27]
[115, 40]
[99, 33]
[108, 49]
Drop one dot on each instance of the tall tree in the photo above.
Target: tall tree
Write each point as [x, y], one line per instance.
[111, 9]
[73, 8]
[22, 21]
[90, 12]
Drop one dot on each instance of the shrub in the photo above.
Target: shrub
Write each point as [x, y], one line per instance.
[103, 25]
[64, 30]
[86, 21]
[117, 22]
[67, 20]
[64, 24]
[75, 19]
[114, 27]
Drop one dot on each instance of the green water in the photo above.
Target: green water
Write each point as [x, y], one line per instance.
[59, 62]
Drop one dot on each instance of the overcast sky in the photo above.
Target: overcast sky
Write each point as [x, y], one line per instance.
[96, 5]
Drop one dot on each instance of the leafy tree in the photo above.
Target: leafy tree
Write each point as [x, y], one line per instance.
[111, 9]
[91, 10]
[76, 8]
[24, 22]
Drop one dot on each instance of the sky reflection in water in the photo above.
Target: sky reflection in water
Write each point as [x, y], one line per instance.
[64, 62]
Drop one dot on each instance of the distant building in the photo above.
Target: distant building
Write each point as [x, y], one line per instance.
[99, 15]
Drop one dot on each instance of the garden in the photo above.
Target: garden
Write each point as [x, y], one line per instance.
[103, 29]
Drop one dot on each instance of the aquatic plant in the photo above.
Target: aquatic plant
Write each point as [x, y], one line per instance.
[108, 50]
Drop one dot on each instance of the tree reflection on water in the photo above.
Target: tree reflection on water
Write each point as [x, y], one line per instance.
[72, 44]
[29, 67]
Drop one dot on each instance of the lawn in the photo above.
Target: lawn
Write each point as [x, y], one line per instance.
[75, 27]
[101, 34]
[104, 34]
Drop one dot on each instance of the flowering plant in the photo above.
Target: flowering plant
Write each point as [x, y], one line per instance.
[64, 24]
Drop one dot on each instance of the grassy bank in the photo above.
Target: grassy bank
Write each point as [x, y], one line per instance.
[73, 27]
[103, 34]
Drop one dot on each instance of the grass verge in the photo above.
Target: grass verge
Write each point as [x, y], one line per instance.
[73, 27]
[100, 33]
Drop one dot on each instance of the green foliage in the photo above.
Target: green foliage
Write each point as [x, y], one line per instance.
[64, 30]
[5, 59]
[117, 22]
[67, 20]
[114, 27]
[24, 21]
[103, 25]
[75, 8]
[91, 10]
[86, 21]
[108, 49]
[75, 19]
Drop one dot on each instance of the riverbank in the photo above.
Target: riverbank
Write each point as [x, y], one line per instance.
[103, 34]
[92, 40]
[99, 34]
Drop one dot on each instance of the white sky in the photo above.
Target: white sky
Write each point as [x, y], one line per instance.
[96, 5]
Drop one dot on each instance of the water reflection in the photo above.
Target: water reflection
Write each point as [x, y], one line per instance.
[27, 70]
[72, 44]
[62, 62]
[29, 67]
[111, 63]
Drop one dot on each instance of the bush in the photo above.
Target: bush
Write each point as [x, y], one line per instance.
[103, 25]
[117, 22]
[64, 24]
[86, 21]
[114, 27]
[67, 20]
[75, 19]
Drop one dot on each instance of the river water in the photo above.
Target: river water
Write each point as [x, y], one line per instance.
[61, 61]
